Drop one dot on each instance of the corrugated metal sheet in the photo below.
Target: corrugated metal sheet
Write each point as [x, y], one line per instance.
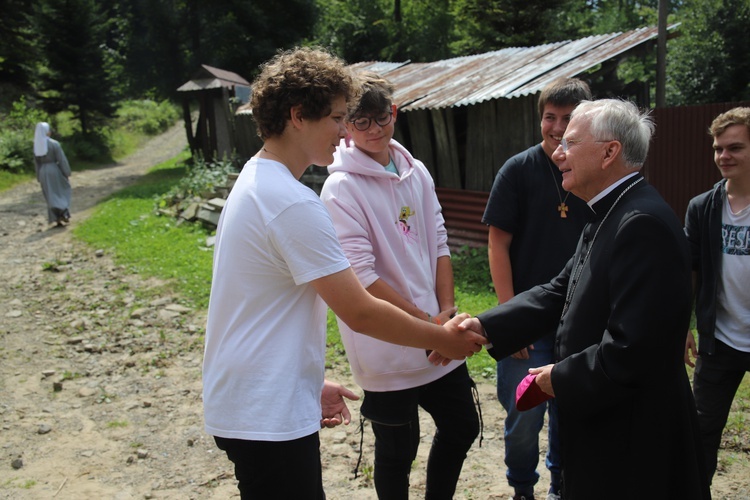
[462, 211]
[680, 162]
[505, 73]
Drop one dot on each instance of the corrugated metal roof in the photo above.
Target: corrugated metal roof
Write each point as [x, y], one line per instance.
[209, 77]
[505, 73]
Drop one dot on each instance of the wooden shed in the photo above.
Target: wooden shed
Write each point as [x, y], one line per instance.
[218, 93]
[465, 116]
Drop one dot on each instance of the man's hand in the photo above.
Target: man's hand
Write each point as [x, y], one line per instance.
[523, 353]
[472, 324]
[462, 342]
[333, 405]
[690, 348]
[544, 378]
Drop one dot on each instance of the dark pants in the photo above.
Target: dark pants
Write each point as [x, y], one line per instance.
[715, 382]
[278, 470]
[395, 422]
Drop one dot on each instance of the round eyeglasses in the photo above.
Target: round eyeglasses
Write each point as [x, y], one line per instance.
[364, 122]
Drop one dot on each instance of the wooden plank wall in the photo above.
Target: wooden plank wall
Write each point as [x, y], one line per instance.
[246, 140]
[421, 143]
[446, 149]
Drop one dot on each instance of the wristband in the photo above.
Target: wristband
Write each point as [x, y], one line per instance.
[435, 320]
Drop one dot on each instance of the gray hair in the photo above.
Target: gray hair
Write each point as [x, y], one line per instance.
[618, 120]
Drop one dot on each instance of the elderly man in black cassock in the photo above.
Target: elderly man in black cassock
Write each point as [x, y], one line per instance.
[622, 304]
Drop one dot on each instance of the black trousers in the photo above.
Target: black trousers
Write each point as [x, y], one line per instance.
[395, 423]
[276, 470]
[715, 382]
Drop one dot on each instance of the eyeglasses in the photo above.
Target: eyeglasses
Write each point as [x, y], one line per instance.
[566, 143]
[363, 123]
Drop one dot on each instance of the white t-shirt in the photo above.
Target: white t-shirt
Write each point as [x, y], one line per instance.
[264, 360]
[733, 301]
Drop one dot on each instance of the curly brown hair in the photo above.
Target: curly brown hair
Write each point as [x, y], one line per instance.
[735, 116]
[304, 76]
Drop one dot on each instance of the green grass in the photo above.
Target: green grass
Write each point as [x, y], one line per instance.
[10, 179]
[151, 245]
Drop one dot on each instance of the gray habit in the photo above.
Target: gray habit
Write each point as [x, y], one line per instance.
[52, 172]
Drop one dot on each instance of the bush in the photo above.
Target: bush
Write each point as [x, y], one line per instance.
[147, 117]
[94, 147]
[16, 152]
[202, 179]
[17, 137]
[471, 269]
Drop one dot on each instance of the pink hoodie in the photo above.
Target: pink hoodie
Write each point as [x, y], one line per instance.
[390, 227]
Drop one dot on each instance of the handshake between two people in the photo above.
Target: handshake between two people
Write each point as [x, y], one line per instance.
[464, 337]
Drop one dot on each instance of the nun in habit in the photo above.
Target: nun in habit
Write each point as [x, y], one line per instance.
[52, 172]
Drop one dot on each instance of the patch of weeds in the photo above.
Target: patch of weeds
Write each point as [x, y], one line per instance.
[13, 483]
[136, 444]
[28, 484]
[53, 266]
[201, 180]
[105, 398]
[368, 473]
[115, 424]
[68, 375]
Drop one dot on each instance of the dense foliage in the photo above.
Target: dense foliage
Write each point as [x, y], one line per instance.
[710, 61]
[74, 76]
[16, 135]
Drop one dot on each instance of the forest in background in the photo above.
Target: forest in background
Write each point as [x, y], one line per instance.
[83, 57]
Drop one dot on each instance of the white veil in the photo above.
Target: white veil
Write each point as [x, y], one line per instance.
[40, 138]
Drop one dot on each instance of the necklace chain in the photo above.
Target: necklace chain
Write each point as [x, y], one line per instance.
[562, 207]
[576, 276]
[272, 153]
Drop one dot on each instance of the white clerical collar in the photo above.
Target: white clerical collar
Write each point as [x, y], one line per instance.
[609, 189]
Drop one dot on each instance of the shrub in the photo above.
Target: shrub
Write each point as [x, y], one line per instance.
[471, 269]
[94, 147]
[16, 152]
[17, 136]
[146, 116]
[202, 179]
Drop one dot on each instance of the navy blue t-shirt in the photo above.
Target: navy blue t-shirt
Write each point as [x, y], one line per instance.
[524, 202]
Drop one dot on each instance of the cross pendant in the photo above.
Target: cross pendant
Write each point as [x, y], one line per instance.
[563, 209]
